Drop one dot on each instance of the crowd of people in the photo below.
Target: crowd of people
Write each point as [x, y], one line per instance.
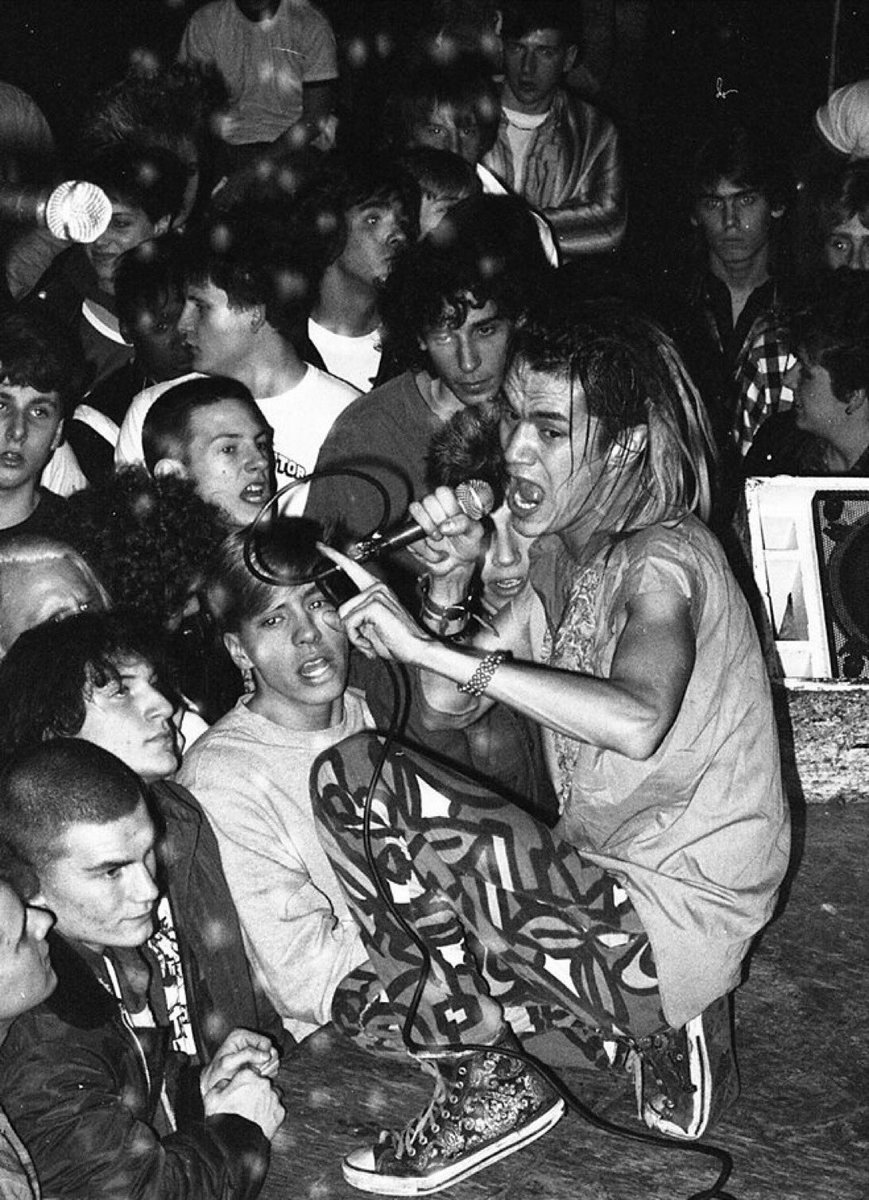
[283, 344]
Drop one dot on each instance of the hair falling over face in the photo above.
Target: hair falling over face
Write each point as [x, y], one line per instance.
[653, 431]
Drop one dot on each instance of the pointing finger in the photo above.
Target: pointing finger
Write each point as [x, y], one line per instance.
[354, 570]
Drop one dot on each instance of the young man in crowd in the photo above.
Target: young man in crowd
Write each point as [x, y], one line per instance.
[40, 377]
[94, 677]
[449, 316]
[212, 432]
[248, 297]
[95, 1079]
[558, 152]
[26, 979]
[728, 322]
[369, 209]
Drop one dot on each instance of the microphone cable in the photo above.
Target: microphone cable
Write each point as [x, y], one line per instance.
[401, 701]
[252, 558]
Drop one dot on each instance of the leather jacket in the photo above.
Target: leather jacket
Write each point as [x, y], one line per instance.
[574, 176]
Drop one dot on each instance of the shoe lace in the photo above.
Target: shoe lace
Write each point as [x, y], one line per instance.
[663, 1054]
[416, 1132]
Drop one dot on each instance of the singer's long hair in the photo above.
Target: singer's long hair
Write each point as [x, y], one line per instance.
[285, 550]
[653, 426]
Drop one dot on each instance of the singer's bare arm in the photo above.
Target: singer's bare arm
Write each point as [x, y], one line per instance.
[629, 712]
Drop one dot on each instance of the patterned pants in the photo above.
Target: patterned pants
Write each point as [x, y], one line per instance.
[507, 910]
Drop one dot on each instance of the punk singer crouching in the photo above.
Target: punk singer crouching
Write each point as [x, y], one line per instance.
[625, 926]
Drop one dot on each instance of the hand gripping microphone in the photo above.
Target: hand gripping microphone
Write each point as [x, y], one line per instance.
[76, 211]
[476, 500]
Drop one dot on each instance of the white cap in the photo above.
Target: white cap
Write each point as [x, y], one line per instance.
[78, 211]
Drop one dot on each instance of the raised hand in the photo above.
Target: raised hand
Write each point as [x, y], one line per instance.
[454, 540]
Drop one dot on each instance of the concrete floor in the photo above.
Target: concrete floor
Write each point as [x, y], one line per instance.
[799, 1132]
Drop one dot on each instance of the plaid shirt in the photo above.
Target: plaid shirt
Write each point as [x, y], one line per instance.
[760, 374]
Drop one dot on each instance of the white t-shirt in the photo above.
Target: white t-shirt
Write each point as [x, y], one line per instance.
[356, 360]
[301, 418]
[520, 134]
[128, 448]
[62, 473]
[264, 63]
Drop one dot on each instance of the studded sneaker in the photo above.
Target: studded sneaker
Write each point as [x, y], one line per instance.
[686, 1078]
[485, 1106]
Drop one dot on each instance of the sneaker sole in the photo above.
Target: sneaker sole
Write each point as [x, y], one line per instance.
[396, 1185]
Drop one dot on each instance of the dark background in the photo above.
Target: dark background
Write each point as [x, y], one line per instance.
[662, 61]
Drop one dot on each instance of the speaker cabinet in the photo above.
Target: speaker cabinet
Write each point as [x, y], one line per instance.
[810, 557]
[841, 524]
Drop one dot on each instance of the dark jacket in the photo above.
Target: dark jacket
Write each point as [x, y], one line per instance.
[222, 993]
[83, 1091]
[574, 175]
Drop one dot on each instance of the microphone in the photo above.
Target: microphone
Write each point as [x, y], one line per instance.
[476, 500]
[75, 211]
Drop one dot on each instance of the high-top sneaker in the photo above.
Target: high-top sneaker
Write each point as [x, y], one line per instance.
[485, 1106]
[686, 1078]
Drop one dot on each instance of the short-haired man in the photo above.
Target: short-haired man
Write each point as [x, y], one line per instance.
[40, 376]
[248, 296]
[94, 677]
[104, 1105]
[450, 308]
[368, 208]
[558, 152]
[212, 432]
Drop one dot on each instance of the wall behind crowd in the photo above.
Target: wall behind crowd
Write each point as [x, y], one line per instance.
[654, 59]
[665, 70]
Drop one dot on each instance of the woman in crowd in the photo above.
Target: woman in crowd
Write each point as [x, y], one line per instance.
[628, 923]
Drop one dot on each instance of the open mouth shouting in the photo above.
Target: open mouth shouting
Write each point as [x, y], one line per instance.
[524, 497]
